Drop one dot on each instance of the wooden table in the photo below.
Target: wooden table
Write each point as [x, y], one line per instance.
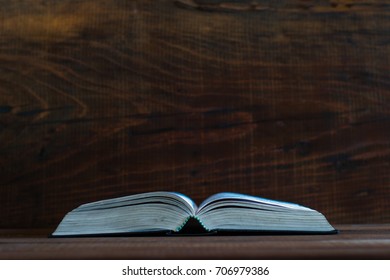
[353, 242]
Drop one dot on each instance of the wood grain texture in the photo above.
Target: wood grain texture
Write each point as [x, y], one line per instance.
[353, 242]
[284, 99]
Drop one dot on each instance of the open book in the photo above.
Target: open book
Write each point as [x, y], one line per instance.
[169, 212]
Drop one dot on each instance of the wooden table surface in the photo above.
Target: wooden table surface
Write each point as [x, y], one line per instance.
[353, 242]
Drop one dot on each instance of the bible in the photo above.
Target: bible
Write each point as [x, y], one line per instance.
[170, 212]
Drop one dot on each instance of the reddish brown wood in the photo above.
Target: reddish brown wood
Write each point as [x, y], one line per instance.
[283, 99]
[353, 242]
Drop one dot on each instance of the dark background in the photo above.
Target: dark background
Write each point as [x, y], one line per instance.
[283, 99]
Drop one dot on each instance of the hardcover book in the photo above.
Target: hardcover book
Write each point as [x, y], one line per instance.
[170, 212]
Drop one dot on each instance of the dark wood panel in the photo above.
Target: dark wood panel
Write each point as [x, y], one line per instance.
[353, 242]
[283, 99]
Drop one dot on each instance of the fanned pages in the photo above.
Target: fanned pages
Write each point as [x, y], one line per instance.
[159, 212]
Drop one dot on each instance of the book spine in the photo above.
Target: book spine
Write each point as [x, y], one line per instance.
[200, 222]
[183, 224]
[186, 220]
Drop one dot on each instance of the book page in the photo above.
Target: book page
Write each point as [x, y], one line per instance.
[245, 197]
[188, 200]
[158, 196]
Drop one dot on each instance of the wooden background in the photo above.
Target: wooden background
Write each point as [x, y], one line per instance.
[284, 99]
